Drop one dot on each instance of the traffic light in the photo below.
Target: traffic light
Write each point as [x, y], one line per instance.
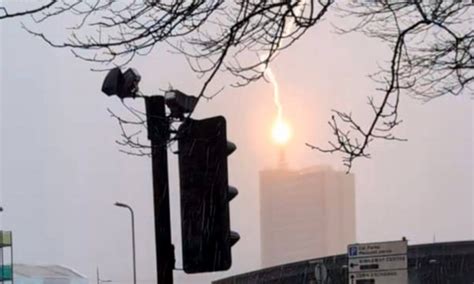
[205, 195]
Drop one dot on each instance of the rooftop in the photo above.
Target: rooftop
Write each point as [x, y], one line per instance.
[46, 271]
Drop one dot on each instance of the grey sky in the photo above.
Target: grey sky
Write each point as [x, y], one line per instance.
[61, 171]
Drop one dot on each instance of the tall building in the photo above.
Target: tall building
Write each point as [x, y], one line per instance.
[305, 213]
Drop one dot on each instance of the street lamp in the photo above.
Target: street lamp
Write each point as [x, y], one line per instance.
[133, 238]
[99, 281]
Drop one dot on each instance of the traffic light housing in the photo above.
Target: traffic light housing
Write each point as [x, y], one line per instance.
[205, 195]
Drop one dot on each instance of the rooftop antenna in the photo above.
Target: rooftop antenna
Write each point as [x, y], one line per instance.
[282, 164]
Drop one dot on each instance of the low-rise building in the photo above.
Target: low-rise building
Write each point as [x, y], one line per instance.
[46, 274]
[450, 262]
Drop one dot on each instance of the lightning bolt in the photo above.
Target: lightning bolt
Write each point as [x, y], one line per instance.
[276, 92]
[281, 130]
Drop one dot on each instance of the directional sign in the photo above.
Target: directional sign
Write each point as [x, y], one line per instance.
[379, 277]
[377, 249]
[388, 262]
[377, 263]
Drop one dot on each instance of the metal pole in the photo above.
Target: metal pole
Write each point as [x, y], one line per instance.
[133, 247]
[158, 133]
[133, 239]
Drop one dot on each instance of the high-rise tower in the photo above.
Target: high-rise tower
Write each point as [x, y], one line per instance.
[305, 213]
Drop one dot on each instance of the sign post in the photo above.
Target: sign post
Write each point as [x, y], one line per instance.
[377, 263]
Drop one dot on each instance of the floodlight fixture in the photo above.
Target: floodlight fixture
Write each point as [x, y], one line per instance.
[179, 103]
[123, 85]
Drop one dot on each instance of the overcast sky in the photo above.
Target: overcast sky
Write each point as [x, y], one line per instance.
[61, 170]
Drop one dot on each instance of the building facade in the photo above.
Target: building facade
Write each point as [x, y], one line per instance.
[305, 213]
[437, 263]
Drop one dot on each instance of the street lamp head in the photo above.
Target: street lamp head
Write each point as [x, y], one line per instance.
[123, 85]
[120, 204]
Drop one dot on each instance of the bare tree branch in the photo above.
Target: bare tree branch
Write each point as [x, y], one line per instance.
[4, 14]
[432, 56]
[431, 43]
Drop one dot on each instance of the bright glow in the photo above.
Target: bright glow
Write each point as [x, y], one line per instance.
[281, 132]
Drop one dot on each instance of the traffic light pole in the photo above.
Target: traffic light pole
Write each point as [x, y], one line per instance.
[125, 85]
[204, 250]
[164, 248]
[158, 133]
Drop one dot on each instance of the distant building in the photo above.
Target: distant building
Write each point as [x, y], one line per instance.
[46, 274]
[305, 213]
[451, 262]
[6, 257]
